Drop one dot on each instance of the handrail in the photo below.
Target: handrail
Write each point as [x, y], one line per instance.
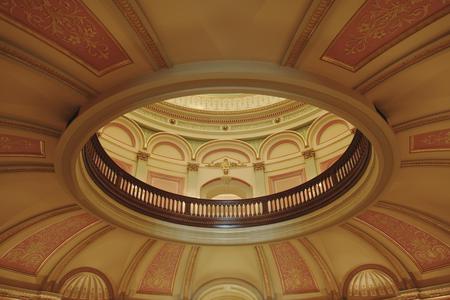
[297, 201]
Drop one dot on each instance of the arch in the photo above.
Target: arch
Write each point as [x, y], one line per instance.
[276, 140]
[236, 288]
[316, 131]
[130, 128]
[226, 185]
[383, 283]
[80, 283]
[181, 149]
[235, 146]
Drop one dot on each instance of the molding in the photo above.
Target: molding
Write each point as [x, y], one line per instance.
[189, 272]
[142, 156]
[407, 279]
[259, 166]
[28, 126]
[124, 284]
[22, 293]
[16, 228]
[265, 270]
[305, 31]
[51, 282]
[431, 220]
[425, 163]
[192, 166]
[27, 167]
[412, 58]
[421, 121]
[144, 31]
[334, 292]
[309, 153]
[42, 67]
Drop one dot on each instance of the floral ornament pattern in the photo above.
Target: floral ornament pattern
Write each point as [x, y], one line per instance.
[29, 255]
[294, 273]
[71, 27]
[430, 141]
[160, 275]
[425, 250]
[377, 26]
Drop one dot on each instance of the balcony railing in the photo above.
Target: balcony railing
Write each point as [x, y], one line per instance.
[300, 200]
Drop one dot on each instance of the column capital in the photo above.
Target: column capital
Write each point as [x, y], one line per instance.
[308, 153]
[142, 156]
[192, 166]
[259, 166]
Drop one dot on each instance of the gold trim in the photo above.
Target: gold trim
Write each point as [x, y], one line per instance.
[148, 39]
[265, 271]
[27, 167]
[50, 283]
[421, 121]
[400, 269]
[303, 36]
[189, 272]
[326, 270]
[16, 228]
[403, 63]
[131, 269]
[431, 220]
[382, 49]
[425, 163]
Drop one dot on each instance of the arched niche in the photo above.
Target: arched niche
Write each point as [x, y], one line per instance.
[226, 185]
[85, 284]
[280, 145]
[326, 129]
[169, 146]
[369, 282]
[123, 132]
[227, 288]
[220, 149]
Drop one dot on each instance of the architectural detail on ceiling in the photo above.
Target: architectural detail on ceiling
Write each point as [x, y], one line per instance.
[143, 30]
[192, 166]
[190, 272]
[424, 163]
[427, 252]
[130, 271]
[7, 233]
[14, 145]
[45, 68]
[305, 31]
[28, 167]
[225, 102]
[403, 63]
[71, 28]
[333, 287]
[379, 25]
[56, 272]
[368, 282]
[405, 278]
[308, 153]
[227, 289]
[86, 284]
[295, 276]
[160, 275]
[432, 220]
[437, 140]
[9, 292]
[259, 166]
[421, 121]
[265, 271]
[17, 124]
[142, 156]
[29, 255]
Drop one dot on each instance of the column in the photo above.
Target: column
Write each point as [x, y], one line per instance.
[193, 190]
[260, 181]
[310, 163]
[141, 166]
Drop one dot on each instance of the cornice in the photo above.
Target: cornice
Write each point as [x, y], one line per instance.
[305, 32]
[421, 121]
[403, 63]
[25, 125]
[42, 67]
[425, 163]
[27, 167]
[141, 26]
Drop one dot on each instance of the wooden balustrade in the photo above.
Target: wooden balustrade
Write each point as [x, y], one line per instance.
[163, 205]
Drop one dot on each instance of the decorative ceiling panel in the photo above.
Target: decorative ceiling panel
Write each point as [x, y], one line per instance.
[377, 26]
[70, 27]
